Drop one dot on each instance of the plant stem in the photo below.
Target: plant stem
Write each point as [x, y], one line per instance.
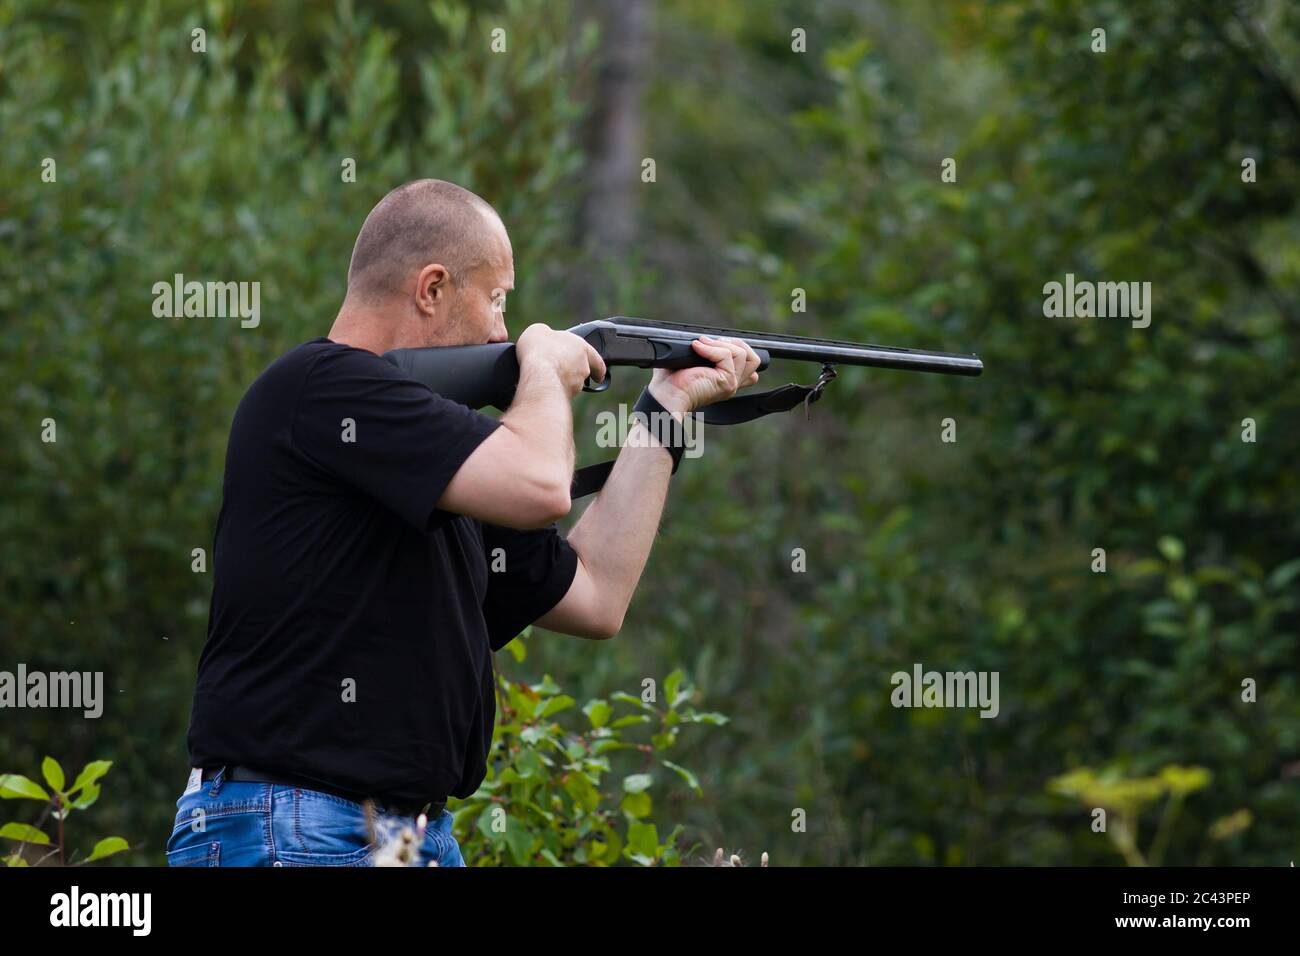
[59, 804]
[1165, 829]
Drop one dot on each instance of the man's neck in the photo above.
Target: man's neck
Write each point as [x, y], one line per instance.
[365, 327]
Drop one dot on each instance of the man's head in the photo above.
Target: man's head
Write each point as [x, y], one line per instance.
[432, 263]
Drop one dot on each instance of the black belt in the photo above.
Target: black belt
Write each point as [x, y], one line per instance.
[400, 808]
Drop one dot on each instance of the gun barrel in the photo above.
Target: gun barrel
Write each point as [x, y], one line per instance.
[819, 350]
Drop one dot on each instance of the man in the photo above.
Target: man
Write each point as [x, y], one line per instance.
[377, 542]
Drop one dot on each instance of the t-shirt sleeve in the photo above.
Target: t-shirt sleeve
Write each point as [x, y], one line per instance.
[363, 421]
[527, 577]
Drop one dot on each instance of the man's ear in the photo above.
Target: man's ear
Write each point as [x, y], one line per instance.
[431, 287]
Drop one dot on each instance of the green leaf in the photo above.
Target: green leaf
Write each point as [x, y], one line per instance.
[671, 683]
[547, 687]
[107, 847]
[1284, 575]
[1144, 568]
[690, 778]
[583, 792]
[598, 712]
[608, 744]
[13, 786]
[637, 782]
[15, 860]
[643, 839]
[89, 774]
[525, 705]
[24, 833]
[629, 720]
[88, 796]
[1185, 780]
[519, 841]
[557, 704]
[1227, 827]
[53, 773]
[1213, 574]
[615, 849]
[533, 733]
[529, 765]
[1171, 548]
[636, 805]
[484, 825]
[540, 811]
[629, 699]
[665, 740]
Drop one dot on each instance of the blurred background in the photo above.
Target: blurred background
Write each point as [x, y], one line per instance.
[774, 170]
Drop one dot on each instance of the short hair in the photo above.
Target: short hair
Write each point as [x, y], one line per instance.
[427, 220]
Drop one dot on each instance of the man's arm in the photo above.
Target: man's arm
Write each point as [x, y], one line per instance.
[613, 539]
[520, 475]
[614, 535]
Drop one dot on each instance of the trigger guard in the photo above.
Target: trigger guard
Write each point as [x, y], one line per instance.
[604, 383]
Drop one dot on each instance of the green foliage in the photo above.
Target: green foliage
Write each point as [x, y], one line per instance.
[1082, 433]
[777, 171]
[1124, 798]
[60, 800]
[226, 165]
[553, 795]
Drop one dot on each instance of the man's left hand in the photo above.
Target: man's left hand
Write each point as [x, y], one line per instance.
[735, 365]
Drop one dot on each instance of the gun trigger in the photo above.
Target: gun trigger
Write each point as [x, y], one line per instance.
[604, 382]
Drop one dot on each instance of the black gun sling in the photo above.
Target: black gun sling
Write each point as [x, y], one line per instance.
[733, 411]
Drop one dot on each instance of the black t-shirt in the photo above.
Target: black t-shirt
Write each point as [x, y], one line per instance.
[352, 622]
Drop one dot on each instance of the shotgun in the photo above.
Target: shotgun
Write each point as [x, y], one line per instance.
[483, 375]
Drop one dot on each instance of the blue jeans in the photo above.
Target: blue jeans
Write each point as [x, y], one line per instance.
[224, 823]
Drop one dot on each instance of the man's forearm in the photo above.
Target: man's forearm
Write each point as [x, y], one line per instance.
[614, 536]
[542, 417]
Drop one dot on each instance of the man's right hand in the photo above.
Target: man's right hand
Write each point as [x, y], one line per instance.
[520, 476]
[568, 356]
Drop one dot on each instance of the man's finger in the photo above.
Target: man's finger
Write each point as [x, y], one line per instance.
[718, 353]
[733, 362]
[748, 359]
[712, 348]
[595, 363]
[744, 360]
